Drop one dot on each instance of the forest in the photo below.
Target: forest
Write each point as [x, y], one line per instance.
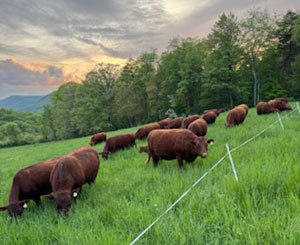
[246, 60]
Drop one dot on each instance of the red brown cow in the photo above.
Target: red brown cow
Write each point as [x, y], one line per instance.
[280, 104]
[245, 107]
[180, 144]
[235, 116]
[217, 111]
[70, 173]
[118, 142]
[143, 132]
[89, 160]
[198, 127]
[143, 149]
[164, 123]
[67, 178]
[265, 108]
[97, 138]
[29, 184]
[210, 117]
[175, 123]
[186, 121]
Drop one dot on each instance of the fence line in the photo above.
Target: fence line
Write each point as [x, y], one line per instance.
[201, 178]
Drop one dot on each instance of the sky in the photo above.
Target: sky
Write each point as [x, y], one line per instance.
[44, 44]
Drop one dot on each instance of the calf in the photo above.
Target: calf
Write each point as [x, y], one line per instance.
[164, 123]
[186, 121]
[118, 142]
[97, 138]
[217, 111]
[143, 149]
[143, 132]
[180, 144]
[210, 117]
[235, 116]
[280, 104]
[265, 108]
[175, 123]
[198, 127]
[29, 184]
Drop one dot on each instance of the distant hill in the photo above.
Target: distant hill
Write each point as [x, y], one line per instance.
[33, 104]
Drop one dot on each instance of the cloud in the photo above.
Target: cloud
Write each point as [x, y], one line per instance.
[30, 79]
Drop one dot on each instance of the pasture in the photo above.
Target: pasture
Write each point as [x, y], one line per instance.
[263, 208]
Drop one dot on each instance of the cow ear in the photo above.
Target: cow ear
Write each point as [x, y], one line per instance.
[3, 208]
[75, 192]
[23, 203]
[210, 141]
[49, 197]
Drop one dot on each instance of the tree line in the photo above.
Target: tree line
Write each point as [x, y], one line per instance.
[253, 59]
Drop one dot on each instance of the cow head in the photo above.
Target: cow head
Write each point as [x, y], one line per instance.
[201, 146]
[143, 149]
[63, 201]
[15, 209]
[105, 154]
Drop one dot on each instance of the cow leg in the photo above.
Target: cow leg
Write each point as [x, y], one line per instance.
[180, 161]
[155, 160]
[37, 200]
[147, 161]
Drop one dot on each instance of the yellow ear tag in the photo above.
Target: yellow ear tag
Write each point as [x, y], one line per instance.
[211, 143]
[24, 205]
[75, 194]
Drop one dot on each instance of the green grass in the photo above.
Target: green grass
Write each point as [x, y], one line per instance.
[263, 208]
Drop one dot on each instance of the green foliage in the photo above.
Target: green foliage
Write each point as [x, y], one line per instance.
[127, 196]
[18, 128]
[221, 75]
[241, 61]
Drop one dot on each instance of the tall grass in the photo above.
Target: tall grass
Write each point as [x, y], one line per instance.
[262, 208]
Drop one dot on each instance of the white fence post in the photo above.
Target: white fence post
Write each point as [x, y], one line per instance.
[298, 107]
[280, 121]
[232, 165]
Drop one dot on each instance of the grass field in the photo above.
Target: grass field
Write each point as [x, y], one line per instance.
[263, 208]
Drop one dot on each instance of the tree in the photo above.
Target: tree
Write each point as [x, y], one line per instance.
[257, 34]
[13, 132]
[288, 47]
[223, 57]
[93, 105]
[62, 105]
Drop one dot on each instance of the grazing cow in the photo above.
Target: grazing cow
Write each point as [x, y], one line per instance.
[217, 111]
[285, 100]
[180, 144]
[280, 104]
[97, 138]
[164, 123]
[118, 142]
[89, 160]
[265, 108]
[67, 178]
[210, 117]
[175, 123]
[245, 107]
[143, 149]
[143, 132]
[29, 184]
[235, 116]
[186, 121]
[198, 127]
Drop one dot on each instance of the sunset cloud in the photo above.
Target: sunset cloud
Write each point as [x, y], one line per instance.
[18, 76]
[69, 37]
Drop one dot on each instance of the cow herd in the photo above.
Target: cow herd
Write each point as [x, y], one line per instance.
[181, 138]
